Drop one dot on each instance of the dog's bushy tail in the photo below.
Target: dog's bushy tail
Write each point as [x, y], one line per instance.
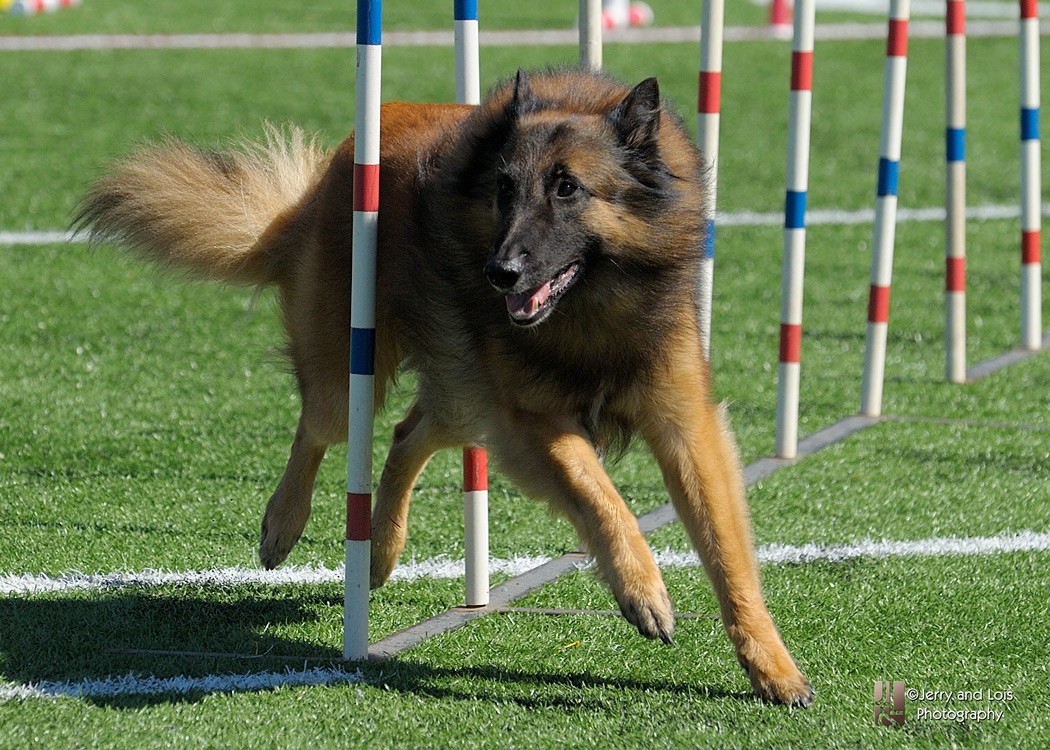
[207, 212]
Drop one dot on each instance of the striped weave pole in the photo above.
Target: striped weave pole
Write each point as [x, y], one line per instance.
[590, 21]
[476, 525]
[955, 192]
[33, 7]
[362, 330]
[799, 108]
[475, 461]
[709, 98]
[885, 209]
[780, 22]
[468, 80]
[1031, 264]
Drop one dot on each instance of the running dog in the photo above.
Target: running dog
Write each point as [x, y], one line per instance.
[537, 264]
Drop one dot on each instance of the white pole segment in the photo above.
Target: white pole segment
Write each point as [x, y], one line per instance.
[591, 34]
[708, 108]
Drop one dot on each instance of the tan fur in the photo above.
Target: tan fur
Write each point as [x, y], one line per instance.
[616, 354]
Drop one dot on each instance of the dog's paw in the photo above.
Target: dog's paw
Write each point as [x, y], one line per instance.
[388, 541]
[773, 673]
[653, 615]
[791, 689]
[382, 565]
[274, 546]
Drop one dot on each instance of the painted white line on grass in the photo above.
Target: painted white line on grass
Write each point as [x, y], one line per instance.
[131, 684]
[43, 237]
[829, 216]
[488, 37]
[135, 685]
[445, 568]
[835, 216]
[438, 568]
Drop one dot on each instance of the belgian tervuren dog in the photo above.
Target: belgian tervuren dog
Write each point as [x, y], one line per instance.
[537, 265]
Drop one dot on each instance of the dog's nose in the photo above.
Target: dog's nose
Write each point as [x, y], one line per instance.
[503, 273]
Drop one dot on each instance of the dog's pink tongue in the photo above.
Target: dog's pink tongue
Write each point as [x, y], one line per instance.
[524, 305]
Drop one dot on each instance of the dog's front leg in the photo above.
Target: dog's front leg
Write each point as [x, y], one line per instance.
[558, 463]
[698, 457]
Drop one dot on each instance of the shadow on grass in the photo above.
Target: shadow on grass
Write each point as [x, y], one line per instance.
[574, 691]
[158, 633]
[60, 643]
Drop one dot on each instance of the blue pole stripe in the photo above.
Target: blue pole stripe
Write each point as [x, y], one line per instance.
[1030, 124]
[466, 10]
[369, 21]
[955, 144]
[362, 351]
[795, 209]
[708, 243]
[888, 173]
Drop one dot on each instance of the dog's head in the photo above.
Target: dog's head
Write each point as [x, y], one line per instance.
[576, 179]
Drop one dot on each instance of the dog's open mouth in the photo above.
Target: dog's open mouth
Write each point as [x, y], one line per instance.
[533, 305]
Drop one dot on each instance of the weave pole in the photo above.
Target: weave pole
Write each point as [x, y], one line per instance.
[468, 66]
[791, 284]
[708, 109]
[955, 192]
[362, 331]
[590, 22]
[476, 525]
[475, 460]
[885, 208]
[1031, 222]
[780, 22]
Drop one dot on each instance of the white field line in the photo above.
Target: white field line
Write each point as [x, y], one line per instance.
[828, 216]
[918, 29]
[131, 684]
[445, 568]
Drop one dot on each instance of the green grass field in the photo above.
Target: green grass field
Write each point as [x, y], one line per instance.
[146, 419]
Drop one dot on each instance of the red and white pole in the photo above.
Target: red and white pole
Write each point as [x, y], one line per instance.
[1031, 222]
[955, 192]
[475, 461]
[708, 107]
[885, 208]
[791, 289]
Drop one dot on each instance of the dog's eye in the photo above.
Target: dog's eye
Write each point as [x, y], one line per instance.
[566, 187]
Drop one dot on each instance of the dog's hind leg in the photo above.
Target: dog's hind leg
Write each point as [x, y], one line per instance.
[559, 464]
[416, 439]
[701, 468]
[289, 507]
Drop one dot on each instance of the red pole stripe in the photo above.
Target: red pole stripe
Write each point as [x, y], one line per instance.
[879, 304]
[366, 187]
[955, 19]
[1030, 252]
[1029, 9]
[358, 516]
[709, 94]
[955, 275]
[790, 343]
[897, 38]
[475, 469]
[801, 71]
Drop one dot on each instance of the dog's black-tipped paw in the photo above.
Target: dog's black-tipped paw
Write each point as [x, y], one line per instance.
[654, 619]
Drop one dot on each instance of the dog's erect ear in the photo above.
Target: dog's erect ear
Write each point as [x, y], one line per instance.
[637, 118]
[523, 100]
